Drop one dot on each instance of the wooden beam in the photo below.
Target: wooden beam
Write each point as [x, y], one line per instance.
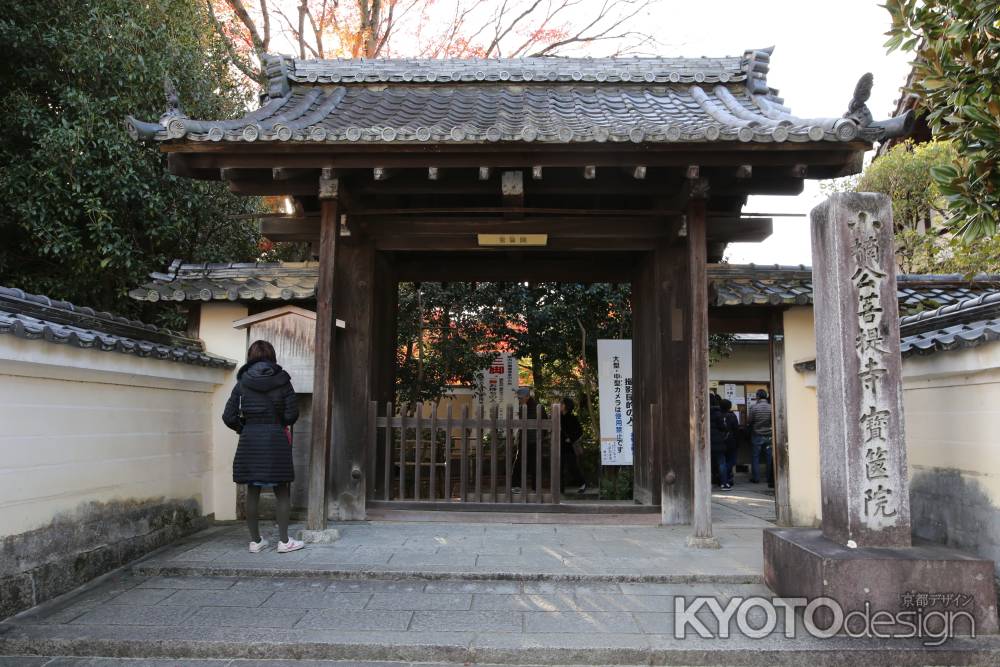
[324, 350]
[506, 265]
[697, 338]
[305, 156]
[273, 188]
[291, 229]
[566, 227]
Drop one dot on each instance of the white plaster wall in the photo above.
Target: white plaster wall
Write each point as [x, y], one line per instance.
[747, 362]
[217, 332]
[952, 406]
[803, 418]
[81, 425]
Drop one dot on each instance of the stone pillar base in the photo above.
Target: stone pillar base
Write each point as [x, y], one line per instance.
[326, 536]
[703, 542]
[802, 563]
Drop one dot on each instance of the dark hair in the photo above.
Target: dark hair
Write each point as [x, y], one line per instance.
[761, 394]
[570, 405]
[261, 350]
[713, 398]
[726, 405]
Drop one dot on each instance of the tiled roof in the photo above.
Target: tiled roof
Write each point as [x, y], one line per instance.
[37, 317]
[964, 324]
[555, 100]
[729, 285]
[273, 281]
[746, 285]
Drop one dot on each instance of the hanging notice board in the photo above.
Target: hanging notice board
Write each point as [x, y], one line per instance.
[614, 377]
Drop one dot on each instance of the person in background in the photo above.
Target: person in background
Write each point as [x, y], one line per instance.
[571, 449]
[717, 437]
[728, 460]
[261, 408]
[759, 419]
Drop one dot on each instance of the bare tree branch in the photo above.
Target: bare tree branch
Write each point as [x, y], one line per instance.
[249, 72]
[266, 43]
[244, 16]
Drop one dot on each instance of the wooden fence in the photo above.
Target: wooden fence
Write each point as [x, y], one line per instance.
[482, 458]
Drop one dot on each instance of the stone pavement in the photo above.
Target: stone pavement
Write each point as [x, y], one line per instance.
[482, 551]
[453, 621]
[444, 593]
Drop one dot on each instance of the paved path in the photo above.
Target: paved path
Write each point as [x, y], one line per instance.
[519, 622]
[475, 550]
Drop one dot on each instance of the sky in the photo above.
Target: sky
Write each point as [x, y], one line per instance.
[821, 50]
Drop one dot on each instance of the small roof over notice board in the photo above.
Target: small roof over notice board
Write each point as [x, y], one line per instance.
[292, 332]
[280, 312]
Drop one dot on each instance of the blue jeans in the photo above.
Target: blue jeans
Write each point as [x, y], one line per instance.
[760, 449]
[727, 462]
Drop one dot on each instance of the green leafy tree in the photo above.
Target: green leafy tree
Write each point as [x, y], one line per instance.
[85, 211]
[925, 241]
[957, 77]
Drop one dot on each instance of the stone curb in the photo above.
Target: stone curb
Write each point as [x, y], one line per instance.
[154, 569]
[533, 654]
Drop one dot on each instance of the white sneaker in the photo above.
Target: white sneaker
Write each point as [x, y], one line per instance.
[290, 545]
[257, 547]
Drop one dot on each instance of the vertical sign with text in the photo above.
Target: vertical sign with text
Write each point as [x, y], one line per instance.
[614, 376]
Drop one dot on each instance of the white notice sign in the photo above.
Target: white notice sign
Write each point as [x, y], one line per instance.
[497, 385]
[614, 376]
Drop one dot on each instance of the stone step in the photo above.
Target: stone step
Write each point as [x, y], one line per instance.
[331, 571]
[421, 621]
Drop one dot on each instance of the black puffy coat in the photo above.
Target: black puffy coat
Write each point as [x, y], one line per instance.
[269, 405]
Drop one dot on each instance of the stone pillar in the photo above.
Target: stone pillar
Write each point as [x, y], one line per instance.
[858, 369]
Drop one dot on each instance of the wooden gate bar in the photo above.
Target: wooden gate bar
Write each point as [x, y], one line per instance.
[463, 470]
[523, 451]
[555, 474]
[419, 417]
[480, 434]
[404, 426]
[432, 485]
[447, 455]
[388, 452]
[494, 440]
[513, 433]
[539, 469]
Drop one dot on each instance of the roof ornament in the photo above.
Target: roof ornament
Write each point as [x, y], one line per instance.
[173, 97]
[857, 108]
[860, 115]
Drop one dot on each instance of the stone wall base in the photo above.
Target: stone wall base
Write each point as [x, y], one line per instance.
[98, 537]
[803, 563]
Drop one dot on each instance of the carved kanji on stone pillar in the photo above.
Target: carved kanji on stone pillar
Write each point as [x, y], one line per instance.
[858, 368]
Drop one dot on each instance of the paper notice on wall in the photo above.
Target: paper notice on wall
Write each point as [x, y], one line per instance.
[497, 384]
[614, 376]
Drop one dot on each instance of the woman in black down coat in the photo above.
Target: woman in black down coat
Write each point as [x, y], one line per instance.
[261, 407]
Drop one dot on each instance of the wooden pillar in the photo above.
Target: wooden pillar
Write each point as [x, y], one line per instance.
[779, 420]
[673, 393]
[697, 335]
[319, 458]
[354, 287]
